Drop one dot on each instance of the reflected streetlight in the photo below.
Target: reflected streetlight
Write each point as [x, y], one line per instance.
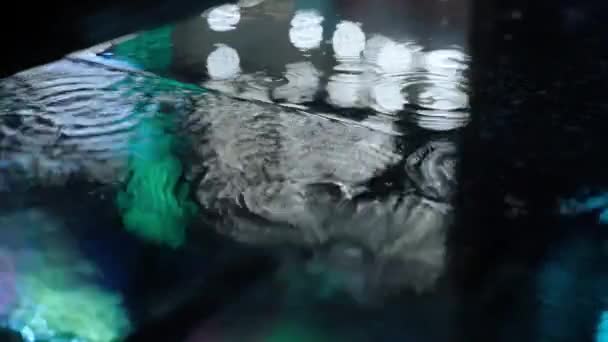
[306, 32]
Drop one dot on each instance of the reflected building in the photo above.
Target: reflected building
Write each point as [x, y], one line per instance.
[57, 122]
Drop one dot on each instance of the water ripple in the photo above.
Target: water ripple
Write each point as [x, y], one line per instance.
[271, 174]
[262, 156]
[69, 117]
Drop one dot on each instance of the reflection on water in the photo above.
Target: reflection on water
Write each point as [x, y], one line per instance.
[223, 63]
[345, 90]
[224, 18]
[273, 162]
[442, 97]
[303, 83]
[315, 140]
[306, 31]
[348, 41]
[69, 118]
[399, 74]
[389, 57]
[379, 73]
[274, 174]
[305, 141]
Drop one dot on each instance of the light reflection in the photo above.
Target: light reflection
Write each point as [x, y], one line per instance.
[348, 40]
[224, 18]
[446, 62]
[389, 56]
[255, 86]
[74, 119]
[386, 96]
[441, 91]
[346, 91]
[441, 95]
[223, 63]
[306, 32]
[347, 87]
[389, 62]
[442, 122]
[303, 83]
[379, 74]
[385, 75]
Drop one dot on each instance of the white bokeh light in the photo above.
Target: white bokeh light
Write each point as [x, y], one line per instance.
[348, 40]
[442, 93]
[389, 56]
[306, 32]
[223, 63]
[224, 18]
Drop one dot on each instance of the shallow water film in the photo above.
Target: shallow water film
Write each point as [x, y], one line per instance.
[276, 171]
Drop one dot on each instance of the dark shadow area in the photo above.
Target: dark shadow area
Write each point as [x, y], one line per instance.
[539, 74]
[54, 29]
[166, 292]
[9, 336]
